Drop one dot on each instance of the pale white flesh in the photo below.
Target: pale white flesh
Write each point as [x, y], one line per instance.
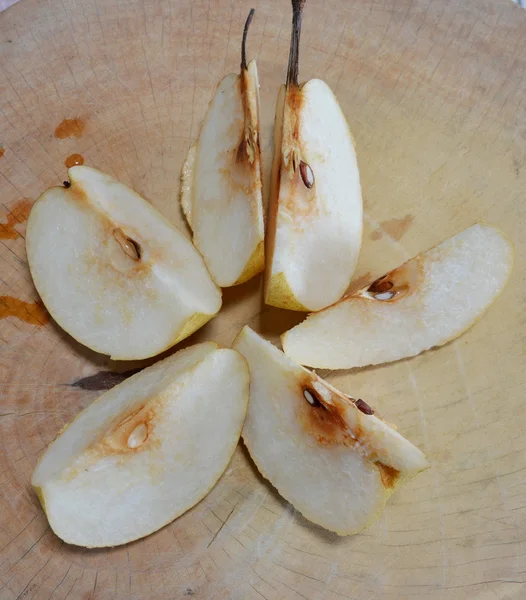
[221, 192]
[334, 463]
[315, 233]
[187, 185]
[147, 450]
[129, 309]
[437, 296]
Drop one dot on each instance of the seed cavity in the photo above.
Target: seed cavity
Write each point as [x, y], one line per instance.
[384, 296]
[312, 398]
[138, 436]
[306, 174]
[364, 407]
[323, 392]
[130, 247]
[380, 286]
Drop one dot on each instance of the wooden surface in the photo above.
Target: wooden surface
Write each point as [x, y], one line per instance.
[435, 93]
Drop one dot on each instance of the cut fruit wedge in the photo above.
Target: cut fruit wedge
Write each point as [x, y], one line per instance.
[221, 180]
[325, 453]
[112, 271]
[147, 450]
[314, 229]
[427, 302]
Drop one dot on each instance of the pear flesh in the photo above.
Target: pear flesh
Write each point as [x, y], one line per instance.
[147, 450]
[221, 191]
[427, 302]
[112, 271]
[336, 464]
[315, 215]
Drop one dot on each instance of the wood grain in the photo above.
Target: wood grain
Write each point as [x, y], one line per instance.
[435, 93]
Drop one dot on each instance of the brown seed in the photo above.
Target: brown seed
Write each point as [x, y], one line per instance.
[67, 184]
[306, 174]
[380, 286]
[130, 247]
[364, 407]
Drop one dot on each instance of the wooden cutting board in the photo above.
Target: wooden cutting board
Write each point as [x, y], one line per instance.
[435, 94]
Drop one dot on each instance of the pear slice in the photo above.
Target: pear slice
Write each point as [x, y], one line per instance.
[427, 302]
[186, 185]
[147, 450]
[112, 271]
[314, 228]
[326, 454]
[221, 180]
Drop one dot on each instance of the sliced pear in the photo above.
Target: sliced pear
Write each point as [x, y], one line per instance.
[314, 228]
[147, 450]
[221, 192]
[427, 302]
[112, 271]
[186, 185]
[326, 454]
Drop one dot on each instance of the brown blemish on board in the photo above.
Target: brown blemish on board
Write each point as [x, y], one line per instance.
[33, 313]
[73, 160]
[19, 214]
[69, 128]
[388, 474]
[2, 152]
[103, 380]
[394, 228]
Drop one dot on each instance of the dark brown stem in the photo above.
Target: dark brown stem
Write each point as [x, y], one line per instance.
[244, 42]
[294, 53]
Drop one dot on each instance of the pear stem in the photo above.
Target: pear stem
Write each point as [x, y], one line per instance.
[294, 53]
[244, 42]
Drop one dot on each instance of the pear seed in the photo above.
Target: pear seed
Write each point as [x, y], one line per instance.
[306, 174]
[129, 246]
[138, 436]
[380, 286]
[364, 407]
[384, 296]
[313, 399]
[309, 397]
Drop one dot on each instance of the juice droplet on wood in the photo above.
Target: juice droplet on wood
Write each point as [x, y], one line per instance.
[19, 214]
[69, 128]
[394, 228]
[74, 159]
[33, 313]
